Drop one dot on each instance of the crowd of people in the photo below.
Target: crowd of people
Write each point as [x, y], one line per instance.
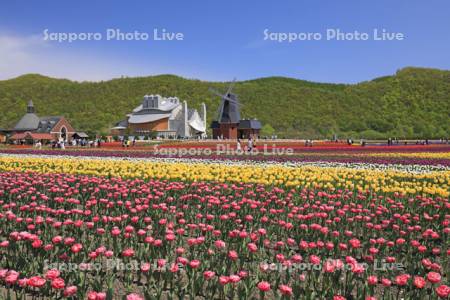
[251, 144]
[128, 143]
[61, 143]
[241, 145]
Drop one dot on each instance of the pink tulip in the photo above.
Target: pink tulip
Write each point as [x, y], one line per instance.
[264, 286]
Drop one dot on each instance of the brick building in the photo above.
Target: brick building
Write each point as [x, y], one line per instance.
[3, 134]
[32, 128]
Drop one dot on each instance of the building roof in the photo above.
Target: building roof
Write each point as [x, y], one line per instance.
[31, 135]
[46, 124]
[28, 122]
[153, 108]
[81, 134]
[51, 119]
[250, 124]
[195, 121]
[214, 124]
[31, 122]
[157, 103]
[146, 118]
[243, 124]
[123, 124]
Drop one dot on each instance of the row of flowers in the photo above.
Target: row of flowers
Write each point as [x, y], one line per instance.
[438, 159]
[385, 181]
[95, 237]
[439, 155]
[325, 164]
[300, 147]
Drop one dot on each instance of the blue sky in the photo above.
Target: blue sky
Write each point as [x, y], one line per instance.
[223, 39]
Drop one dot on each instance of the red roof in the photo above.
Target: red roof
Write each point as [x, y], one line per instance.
[31, 135]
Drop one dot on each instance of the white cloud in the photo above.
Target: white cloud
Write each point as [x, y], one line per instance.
[32, 54]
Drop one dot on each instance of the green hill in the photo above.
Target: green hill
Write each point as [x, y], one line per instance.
[413, 103]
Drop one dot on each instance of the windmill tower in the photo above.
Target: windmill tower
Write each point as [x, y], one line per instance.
[228, 116]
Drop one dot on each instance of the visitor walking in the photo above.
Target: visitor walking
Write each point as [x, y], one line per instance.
[250, 144]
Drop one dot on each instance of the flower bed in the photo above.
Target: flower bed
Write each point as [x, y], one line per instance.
[432, 158]
[109, 224]
[95, 237]
[387, 181]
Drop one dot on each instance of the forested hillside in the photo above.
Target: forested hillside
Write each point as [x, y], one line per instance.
[413, 103]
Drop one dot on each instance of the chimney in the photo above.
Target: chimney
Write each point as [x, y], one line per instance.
[30, 107]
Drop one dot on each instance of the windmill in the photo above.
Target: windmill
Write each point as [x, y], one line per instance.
[229, 124]
[228, 111]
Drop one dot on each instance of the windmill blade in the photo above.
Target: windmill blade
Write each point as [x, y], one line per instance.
[230, 87]
[233, 101]
[216, 92]
[220, 110]
[220, 107]
[224, 97]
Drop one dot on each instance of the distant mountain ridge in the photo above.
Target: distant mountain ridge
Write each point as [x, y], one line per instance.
[413, 103]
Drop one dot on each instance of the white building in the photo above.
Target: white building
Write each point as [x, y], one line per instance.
[164, 117]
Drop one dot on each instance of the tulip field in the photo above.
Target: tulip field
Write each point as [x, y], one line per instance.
[318, 225]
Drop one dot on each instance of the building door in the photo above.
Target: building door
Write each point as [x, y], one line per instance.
[63, 133]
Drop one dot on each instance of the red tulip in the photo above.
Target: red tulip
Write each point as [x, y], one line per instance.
[58, 283]
[134, 297]
[219, 244]
[194, 264]
[70, 291]
[11, 277]
[372, 280]
[145, 267]
[419, 282]
[314, 259]
[209, 275]
[128, 252]
[402, 279]
[443, 291]
[386, 282]
[285, 290]
[76, 248]
[355, 243]
[224, 280]
[252, 247]
[233, 255]
[52, 274]
[174, 268]
[36, 281]
[434, 277]
[264, 286]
